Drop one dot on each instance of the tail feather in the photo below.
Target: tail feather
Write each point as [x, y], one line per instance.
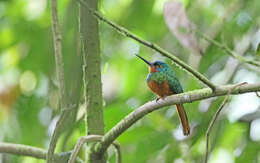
[183, 119]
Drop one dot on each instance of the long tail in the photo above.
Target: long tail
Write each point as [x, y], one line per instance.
[184, 119]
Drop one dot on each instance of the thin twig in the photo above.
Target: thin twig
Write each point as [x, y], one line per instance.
[212, 122]
[57, 41]
[80, 143]
[151, 106]
[228, 50]
[153, 46]
[118, 151]
[92, 138]
[56, 133]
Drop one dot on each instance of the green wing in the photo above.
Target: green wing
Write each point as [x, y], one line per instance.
[175, 85]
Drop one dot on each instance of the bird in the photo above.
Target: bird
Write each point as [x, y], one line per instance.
[162, 81]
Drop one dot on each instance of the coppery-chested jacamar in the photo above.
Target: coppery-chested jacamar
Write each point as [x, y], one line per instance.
[163, 82]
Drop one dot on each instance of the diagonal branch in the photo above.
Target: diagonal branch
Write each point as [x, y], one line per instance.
[229, 51]
[57, 41]
[151, 106]
[153, 46]
[212, 122]
[93, 138]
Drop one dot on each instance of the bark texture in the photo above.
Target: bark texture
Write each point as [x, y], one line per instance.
[92, 78]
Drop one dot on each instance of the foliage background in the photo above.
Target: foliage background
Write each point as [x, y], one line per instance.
[28, 87]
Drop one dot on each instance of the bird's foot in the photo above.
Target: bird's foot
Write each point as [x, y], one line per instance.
[158, 98]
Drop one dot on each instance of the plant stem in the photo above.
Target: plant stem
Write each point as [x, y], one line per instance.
[57, 41]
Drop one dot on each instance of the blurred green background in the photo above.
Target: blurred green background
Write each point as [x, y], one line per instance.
[28, 84]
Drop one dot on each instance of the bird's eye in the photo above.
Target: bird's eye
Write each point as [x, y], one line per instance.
[158, 66]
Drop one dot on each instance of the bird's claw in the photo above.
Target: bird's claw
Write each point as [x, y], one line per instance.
[158, 98]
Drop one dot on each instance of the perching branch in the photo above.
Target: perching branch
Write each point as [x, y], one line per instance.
[212, 122]
[57, 41]
[25, 150]
[93, 138]
[153, 46]
[151, 106]
[229, 51]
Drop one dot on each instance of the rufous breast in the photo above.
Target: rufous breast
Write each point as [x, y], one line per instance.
[161, 89]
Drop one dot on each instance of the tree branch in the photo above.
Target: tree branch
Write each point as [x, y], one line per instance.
[151, 106]
[25, 150]
[153, 46]
[229, 51]
[93, 138]
[212, 122]
[57, 41]
[19, 149]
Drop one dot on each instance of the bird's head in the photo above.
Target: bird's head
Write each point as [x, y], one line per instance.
[157, 66]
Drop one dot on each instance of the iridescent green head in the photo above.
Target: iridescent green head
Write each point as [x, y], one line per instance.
[157, 66]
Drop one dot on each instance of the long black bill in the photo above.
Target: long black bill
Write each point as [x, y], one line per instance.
[149, 63]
